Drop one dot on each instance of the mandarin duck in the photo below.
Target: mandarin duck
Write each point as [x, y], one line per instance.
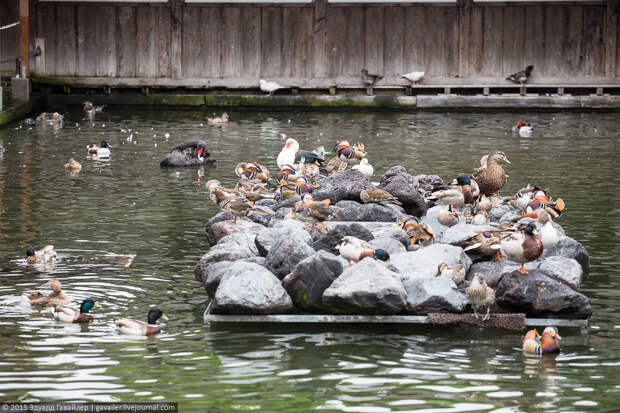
[313, 212]
[417, 232]
[547, 343]
[252, 171]
[73, 166]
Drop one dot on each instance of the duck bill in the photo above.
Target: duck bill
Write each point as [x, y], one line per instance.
[164, 317]
[97, 305]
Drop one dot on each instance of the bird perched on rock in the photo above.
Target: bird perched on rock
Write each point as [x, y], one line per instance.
[287, 188]
[549, 236]
[73, 166]
[237, 206]
[44, 255]
[455, 272]
[523, 128]
[483, 203]
[522, 76]
[56, 298]
[413, 77]
[76, 315]
[481, 218]
[369, 79]
[345, 151]
[454, 196]
[486, 243]
[288, 153]
[355, 249]
[311, 172]
[417, 232]
[548, 343]
[370, 194]
[365, 168]
[253, 191]
[287, 172]
[140, 328]
[447, 218]
[479, 295]
[252, 171]
[269, 87]
[303, 187]
[336, 165]
[218, 120]
[313, 212]
[492, 177]
[523, 246]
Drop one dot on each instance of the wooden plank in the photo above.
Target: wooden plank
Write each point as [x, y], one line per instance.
[192, 42]
[176, 38]
[555, 22]
[24, 41]
[374, 39]
[534, 40]
[105, 41]
[39, 63]
[162, 47]
[573, 58]
[493, 50]
[413, 39]
[211, 42]
[126, 50]
[66, 51]
[514, 40]
[271, 42]
[308, 48]
[593, 49]
[354, 42]
[476, 45]
[231, 42]
[394, 42]
[336, 35]
[251, 42]
[440, 41]
[86, 40]
[146, 35]
[451, 46]
[10, 38]
[611, 39]
[46, 28]
[319, 40]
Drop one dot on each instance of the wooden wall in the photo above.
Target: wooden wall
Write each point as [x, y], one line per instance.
[318, 43]
[9, 39]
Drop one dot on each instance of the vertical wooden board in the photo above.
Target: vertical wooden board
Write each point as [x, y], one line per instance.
[335, 41]
[451, 19]
[10, 38]
[176, 38]
[354, 42]
[66, 53]
[192, 49]
[514, 39]
[573, 41]
[617, 34]
[319, 40]
[146, 35]
[394, 41]
[162, 44]
[594, 47]
[105, 41]
[474, 57]
[493, 50]
[374, 39]
[291, 25]
[86, 43]
[46, 29]
[307, 18]
[210, 39]
[413, 39]
[440, 42]
[555, 29]
[126, 50]
[611, 39]
[251, 42]
[230, 42]
[271, 42]
[534, 40]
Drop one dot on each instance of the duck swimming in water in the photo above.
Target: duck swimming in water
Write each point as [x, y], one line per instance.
[547, 343]
[101, 151]
[56, 298]
[44, 255]
[76, 315]
[140, 328]
[188, 154]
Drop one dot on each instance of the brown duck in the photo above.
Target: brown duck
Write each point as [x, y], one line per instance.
[492, 177]
[56, 298]
[370, 194]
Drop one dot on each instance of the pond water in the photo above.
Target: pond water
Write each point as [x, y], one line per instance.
[129, 205]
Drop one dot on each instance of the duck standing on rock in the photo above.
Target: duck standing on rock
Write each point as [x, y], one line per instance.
[549, 236]
[252, 171]
[365, 168]
[455, 272]
[454, 196]
[480, 294]
[237, 206]
[370, 194]
[56, 298]
[417, 232]
[355, 249]
[187, 154]
[486, 243]
[345, 151]
[523, 246]
[492, 177]
[313, 212]
[140, 328]
[44, 255]
[76, 315]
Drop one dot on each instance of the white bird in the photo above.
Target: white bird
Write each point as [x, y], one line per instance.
[414, 77]
[287, 154]
[365, 168]
[269, 87]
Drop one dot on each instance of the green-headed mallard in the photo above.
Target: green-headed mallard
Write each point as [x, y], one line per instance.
[44, 255]
[480, 294]
[56, 298]
[101, 151]
[76, 315]
[370, 194]
[492, 177]
[355, 249]
[140, 328]
[455, 196]
[548, 234]
[523, 246]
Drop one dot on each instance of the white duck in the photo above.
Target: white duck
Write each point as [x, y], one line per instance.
[287, 154]
[365, 168]
[269, 87]
[414, 77]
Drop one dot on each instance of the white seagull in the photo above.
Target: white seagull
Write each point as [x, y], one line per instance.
[414, 77]
[269, 87]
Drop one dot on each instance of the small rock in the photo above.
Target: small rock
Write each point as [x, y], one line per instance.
[219, 217]
[495, 214]
[266, 217]
[394, 233]
[388, 244]
[223, 228]
[569, 248]
[285, 254]
[424, 263]
[267, 237]
[400, 184]
[434, 295]
[242, 239]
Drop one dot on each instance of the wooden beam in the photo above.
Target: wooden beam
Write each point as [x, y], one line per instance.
[25, 25]
[611, 37]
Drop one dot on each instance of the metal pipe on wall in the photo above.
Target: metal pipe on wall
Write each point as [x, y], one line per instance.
[23, 17]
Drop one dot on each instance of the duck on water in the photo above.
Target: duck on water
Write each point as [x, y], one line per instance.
[188, 154]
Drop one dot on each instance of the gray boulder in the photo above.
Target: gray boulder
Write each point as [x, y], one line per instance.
[491, 271]
[221, 252]
[461, 232]
[266, 202]
[569, 248]
[285, 254]
[354, 211]
[434, 295]
[424, 263]
[267, 237]
[286, 203]
[565, 270]
[428, 183]
[310, 278]
[223, 228]
[394, 233]
[219, 217]
[388, 244]
[263, 215]
[342, 186]
[368, 287]
[242, 239]
[401, 185]
[215, 272]
[254, 290]
[335, 234]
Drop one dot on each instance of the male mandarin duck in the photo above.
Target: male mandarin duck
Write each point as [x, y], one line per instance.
[287, 188]
[370, 194]
[252, 171]
[365, 168]
[56, 298]
[287, 172]
[101, 151]
[303, 187]
[73, 166]
[140, 328]
[479, 295]
[44, 255]
[492, 177]
[547, 343]
[523, 128]
[313, 212]
[253, 191]
[76, 315]
[417, 232]
[218, 120]
[548, 234]
[345, 151]
[455, 196]
[523, 246]
[355, 249]
[237, 206]
[522, 76]
[455, 272]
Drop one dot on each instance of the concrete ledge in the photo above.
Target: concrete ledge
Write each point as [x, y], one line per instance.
[19, 110]
[525, 102]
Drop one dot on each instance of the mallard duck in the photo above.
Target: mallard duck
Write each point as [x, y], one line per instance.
[447, 218]
[218, 120]
[523, 246]
[492, 177]
[76, 315]
[486, 243]
[56, 298]
[417, 232]
[346, 152]
[523, 128]
[365, 168]
[269, 87]
[454, 196]
[44, 255]
[369, 79]
[455, 272]
[140, 328]
[413, 77]
[370, 194]
[479, 295]
[548, 234]
[252, 171]
[355, 249]
[102, 151]
[313, 212]
[481, 218]
[548, 343]
[91, 109]
[73, 166]
[522, 76]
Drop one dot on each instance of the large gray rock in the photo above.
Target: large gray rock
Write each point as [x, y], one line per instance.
[430, 219]
[219, 217]
[388, 244]
[223, 228]
[285, 254]
[400, 184]
[342, 186]
[252, 291]
[565, 270]
[266, 202]
[286, 203]
[335, 234]
[263, 215]
[242, 239]
[491, 271]
[540, 296]
[368, 287]
[461, 232]
[215, 272]
[267, 237]
[434, 295]
[424, 263]
[310, 278]
[569, 248]
[220, 252]
[428, 183]
[354, 211]
[394, 233]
